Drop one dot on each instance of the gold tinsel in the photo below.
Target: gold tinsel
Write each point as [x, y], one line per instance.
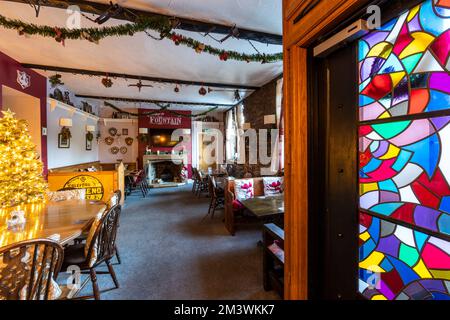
[21, 179]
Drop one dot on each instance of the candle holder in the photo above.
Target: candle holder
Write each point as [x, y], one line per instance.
[16, 220]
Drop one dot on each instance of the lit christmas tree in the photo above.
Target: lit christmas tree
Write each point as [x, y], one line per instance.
[21, 179]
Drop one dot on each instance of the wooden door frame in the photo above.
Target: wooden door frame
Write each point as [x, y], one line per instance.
[298, 39]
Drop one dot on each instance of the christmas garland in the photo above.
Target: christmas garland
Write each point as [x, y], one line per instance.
[163, 25]
[161, 108]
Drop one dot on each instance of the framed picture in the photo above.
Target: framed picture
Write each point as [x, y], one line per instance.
[88, 145]
[124, 132]
[63, 142]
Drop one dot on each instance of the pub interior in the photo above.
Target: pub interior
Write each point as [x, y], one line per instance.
[225, 150]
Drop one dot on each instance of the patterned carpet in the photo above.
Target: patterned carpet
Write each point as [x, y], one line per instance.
[168, 253]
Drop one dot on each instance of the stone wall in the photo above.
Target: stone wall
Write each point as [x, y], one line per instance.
[259, 104]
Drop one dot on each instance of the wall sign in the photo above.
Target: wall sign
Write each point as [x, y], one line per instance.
[93, 186]
[23, 79]
[162, 119]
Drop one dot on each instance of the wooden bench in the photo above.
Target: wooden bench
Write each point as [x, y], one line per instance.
[230, 196]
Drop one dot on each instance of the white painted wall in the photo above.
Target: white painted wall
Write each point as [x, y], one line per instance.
[25, 107]
[77, 152]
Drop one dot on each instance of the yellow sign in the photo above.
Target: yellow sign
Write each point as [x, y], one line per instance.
[93, 186]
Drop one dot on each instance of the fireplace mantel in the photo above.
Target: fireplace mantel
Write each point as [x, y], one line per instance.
[165, 157]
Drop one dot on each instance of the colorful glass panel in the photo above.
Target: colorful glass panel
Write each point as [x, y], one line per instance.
[398, 263]
[404, 66]
[404, 166]
[405, 171]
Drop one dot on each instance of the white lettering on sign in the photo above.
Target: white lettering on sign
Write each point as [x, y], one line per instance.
[163, 120]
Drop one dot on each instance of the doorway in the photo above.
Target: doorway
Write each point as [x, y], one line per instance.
[333, 215]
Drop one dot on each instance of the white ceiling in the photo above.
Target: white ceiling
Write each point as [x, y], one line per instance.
[141, 55]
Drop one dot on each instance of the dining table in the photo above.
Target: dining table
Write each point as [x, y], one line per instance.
[62, 221]
[265, 206]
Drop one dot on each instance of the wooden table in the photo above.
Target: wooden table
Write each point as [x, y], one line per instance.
[68, 219]
[263, 207]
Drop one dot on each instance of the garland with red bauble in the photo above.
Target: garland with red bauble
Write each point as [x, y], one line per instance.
[162, 25]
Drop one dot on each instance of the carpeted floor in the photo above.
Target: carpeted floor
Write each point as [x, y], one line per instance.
[168, 253]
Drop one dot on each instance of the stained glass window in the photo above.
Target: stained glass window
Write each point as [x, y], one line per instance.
[403, 66]
[404, 143]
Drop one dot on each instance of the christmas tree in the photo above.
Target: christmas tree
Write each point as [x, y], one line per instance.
[21, 179]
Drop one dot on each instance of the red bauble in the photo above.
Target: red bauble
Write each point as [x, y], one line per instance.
[223, 56]
[176, 39]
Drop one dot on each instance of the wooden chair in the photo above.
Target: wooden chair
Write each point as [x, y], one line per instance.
[202, 184]
[139, 180]
[28, 270]
[114, 201]
[217, 197]
[101, 249]
[195, 178]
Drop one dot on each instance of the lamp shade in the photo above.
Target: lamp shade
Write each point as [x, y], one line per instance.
[143, 130]
[90, 128]
[65, 122]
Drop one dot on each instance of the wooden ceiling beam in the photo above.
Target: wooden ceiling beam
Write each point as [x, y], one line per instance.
[139, 77]
[185, 24]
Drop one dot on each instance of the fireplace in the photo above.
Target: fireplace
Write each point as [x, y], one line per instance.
[167, 171]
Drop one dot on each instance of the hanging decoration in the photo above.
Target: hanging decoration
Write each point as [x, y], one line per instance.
[109, 140]
[65, 133]
[55, 80]
[139, 85]
[107, 82]
[176, 90]
[200, 48]
[89, 136]
[114, 150]
[112, 131]
[162, 25]
[21, 179]
[59, 37]
[202, 91]
[223, 56]
[161, 108]
[129, 141]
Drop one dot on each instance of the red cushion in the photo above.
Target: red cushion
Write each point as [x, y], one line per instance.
[237, 205]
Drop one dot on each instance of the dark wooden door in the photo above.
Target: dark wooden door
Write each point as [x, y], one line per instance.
[334, 213]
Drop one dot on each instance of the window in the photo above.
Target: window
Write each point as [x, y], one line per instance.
[404, 142]
[230, 137]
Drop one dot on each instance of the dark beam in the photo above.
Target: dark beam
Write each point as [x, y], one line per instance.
[185, 24]
[137, 77]
[153, 101]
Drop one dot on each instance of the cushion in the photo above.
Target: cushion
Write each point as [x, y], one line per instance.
[77, 194]
[273, 186]
[114, 200]
[90, 237]
[237, 205]
[244, 189]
